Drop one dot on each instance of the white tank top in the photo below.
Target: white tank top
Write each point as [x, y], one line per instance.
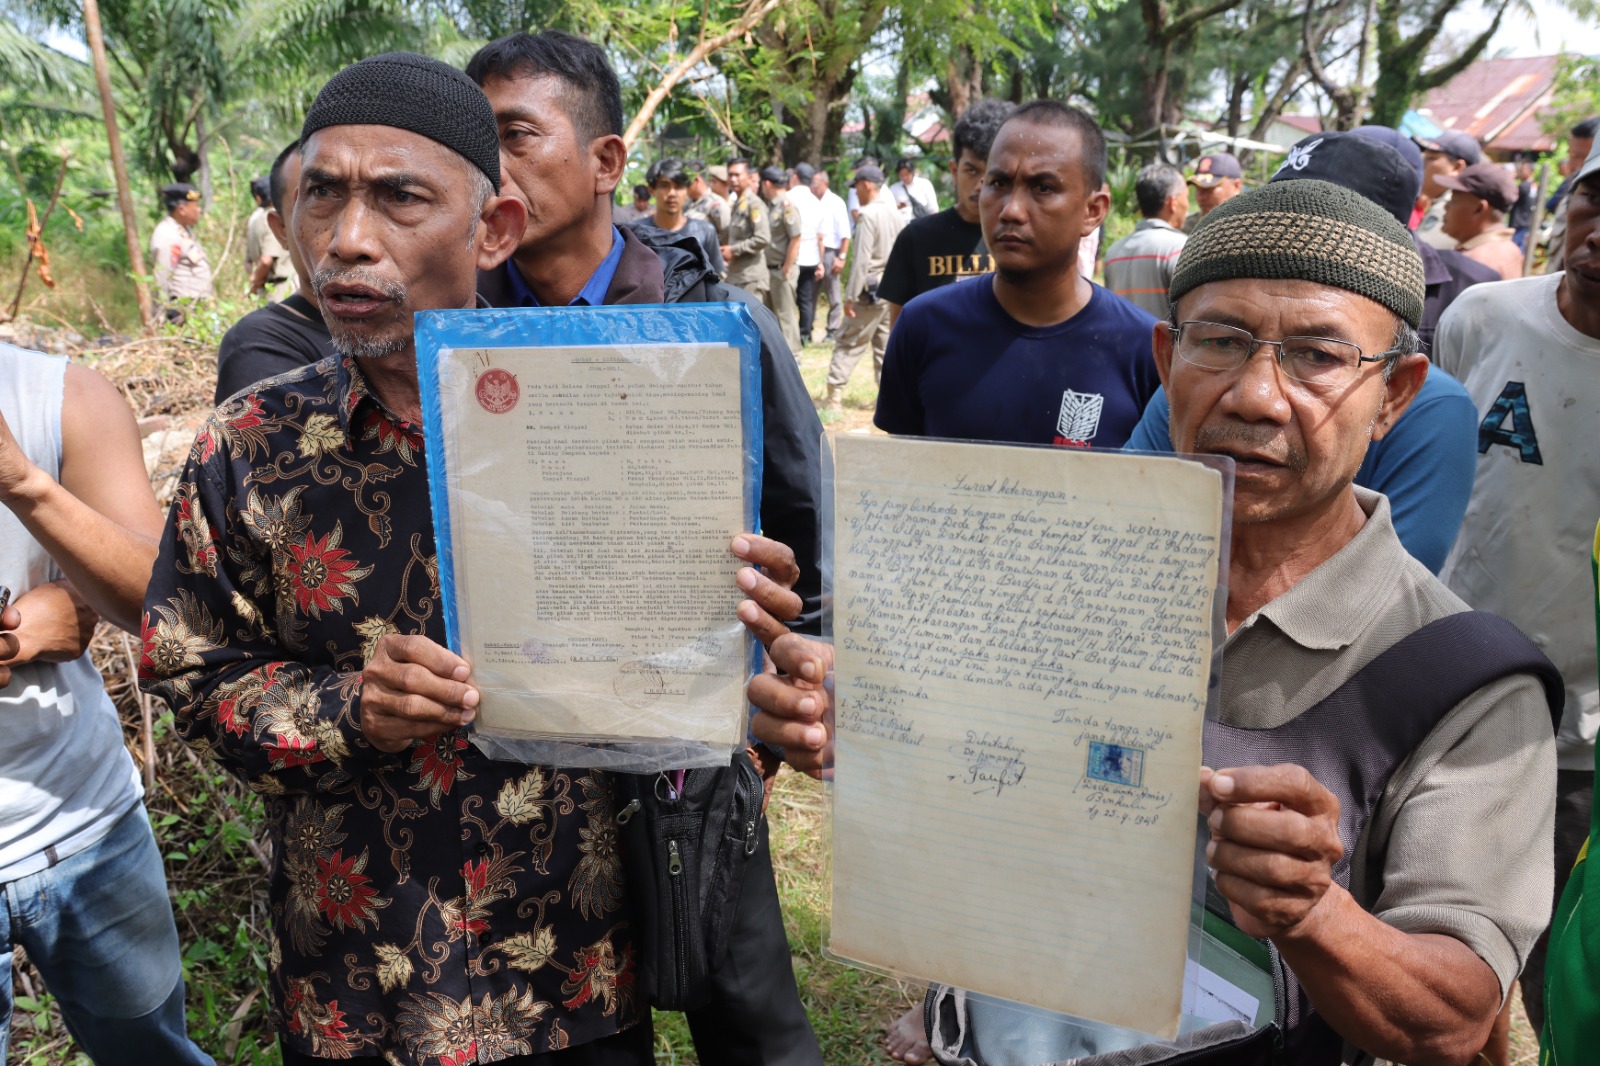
[65, 775]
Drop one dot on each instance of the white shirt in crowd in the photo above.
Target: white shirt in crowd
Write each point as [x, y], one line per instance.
[810, 209]
[921, 190]
[1530, 524]
[835, 226]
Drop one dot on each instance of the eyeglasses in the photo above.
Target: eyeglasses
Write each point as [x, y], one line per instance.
[1318, 362]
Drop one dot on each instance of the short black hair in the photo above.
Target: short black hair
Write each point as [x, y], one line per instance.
[738, 161]
[275, 187]
[668, 169]
[579, 64]
[261, 188]
[905, 164]
[1586, 129]
[975, 129]
[1091, 140]
[1154, 187]
[641, 192]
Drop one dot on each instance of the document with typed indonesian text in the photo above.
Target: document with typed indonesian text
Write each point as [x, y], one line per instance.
[1023, 642]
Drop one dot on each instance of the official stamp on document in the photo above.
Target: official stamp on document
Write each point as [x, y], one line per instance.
[1116, 764]
[497, 391]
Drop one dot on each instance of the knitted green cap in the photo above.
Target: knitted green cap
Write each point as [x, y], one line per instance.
[1306, 230]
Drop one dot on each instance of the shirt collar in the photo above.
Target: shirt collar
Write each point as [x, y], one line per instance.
[1157, 223]
[1333, 604]
[593, 293]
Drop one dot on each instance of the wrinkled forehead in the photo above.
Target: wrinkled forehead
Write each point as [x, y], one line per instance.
[1273, 308]
[367, 153]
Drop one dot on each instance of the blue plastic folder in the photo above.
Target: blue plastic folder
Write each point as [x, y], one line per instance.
[585, 465]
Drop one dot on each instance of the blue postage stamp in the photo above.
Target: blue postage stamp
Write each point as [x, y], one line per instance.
[1116, 764]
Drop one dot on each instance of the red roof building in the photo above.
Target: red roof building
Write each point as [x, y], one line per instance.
[1499, 102]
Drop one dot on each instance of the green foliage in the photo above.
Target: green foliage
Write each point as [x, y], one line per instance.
[1575, 94]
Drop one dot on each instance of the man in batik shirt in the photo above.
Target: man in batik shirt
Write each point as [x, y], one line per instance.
[430, 907]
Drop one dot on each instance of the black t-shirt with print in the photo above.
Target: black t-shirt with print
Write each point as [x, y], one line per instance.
[933, 251]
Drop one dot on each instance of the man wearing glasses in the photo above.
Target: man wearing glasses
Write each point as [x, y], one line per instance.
[1401, 914]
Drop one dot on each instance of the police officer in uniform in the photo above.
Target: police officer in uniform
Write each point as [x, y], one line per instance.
[183, 274]
[782, 253]
[708, 205]
[748, 233]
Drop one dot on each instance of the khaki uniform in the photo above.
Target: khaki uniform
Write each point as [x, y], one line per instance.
[259, 241]
[713, 209]
[879, 223]
[181, 269]
[785, 223]
[748, 237]
[1431, 228]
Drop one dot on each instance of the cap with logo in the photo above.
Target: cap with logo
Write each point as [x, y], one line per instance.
[178, 192]
[1214, 168]
[776, 175]
[1359, 163]
[805, 172]
[868, 173]
[1453, 143]
[718, 172]
[1393, 138]
[1489, 182]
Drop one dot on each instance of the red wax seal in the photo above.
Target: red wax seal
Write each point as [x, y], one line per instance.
[497, 391]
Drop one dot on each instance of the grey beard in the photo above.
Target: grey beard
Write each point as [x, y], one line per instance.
[365, 347]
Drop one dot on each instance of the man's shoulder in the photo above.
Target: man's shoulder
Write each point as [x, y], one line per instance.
[275, 324]
[1106, 308]
[285, 395]
[962, 305]
[1486, 301]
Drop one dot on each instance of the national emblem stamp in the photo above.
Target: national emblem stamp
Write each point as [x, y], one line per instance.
[497, 391]
[1115, 764]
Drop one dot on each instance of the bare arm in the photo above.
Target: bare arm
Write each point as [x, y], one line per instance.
[258, 276]
[100, 522]
[1407, 997]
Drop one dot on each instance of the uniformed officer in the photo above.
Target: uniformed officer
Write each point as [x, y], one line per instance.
[782, 254]
[709, 205]
[748, 233]
[183, 274]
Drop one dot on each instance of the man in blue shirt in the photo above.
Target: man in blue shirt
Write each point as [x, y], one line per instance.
[1427, 461]
[1033, 353]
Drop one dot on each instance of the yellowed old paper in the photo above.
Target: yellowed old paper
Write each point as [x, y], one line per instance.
[1023, 640]
[594, 491]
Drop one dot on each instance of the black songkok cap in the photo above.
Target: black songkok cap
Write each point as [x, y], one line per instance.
[412, 92]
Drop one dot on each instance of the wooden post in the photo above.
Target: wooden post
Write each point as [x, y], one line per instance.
[119, 166]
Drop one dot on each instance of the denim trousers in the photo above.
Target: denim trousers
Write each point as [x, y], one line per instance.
[98, 927]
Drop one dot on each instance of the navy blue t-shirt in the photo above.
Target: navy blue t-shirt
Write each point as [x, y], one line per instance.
[958, 366]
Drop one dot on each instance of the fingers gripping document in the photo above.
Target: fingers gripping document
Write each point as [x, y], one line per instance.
[1023, 643]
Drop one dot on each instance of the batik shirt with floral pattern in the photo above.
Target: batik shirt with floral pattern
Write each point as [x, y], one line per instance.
[431, 906]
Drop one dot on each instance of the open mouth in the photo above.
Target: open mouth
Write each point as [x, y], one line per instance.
[1252, 463]
[351, 301]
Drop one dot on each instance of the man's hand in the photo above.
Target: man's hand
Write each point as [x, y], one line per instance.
[49, 623]
[414, 689]
[816, 272]
[838, 263]
[727, 253]
[795, 699]
[1274, 840]
[17, 472]
[768, 582]
[849, 309]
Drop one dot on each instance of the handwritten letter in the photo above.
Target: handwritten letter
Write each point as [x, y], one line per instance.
[1023, 642]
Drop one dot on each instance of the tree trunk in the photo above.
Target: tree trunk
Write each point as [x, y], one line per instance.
[119, 165]
[203, 153]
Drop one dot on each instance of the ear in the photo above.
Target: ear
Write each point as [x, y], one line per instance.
[611, 159]
[1405, 381]
[1161, 348]
[1096, 210]
[275, 224]
[500, 230]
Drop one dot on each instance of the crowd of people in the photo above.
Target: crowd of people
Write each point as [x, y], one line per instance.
[1401, 776]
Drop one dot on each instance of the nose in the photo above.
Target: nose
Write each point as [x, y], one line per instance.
[1011, 206]
[1259, 391]
[355, 233]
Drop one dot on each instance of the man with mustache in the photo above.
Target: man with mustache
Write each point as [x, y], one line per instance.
[428, 905]
[1295, 347]
[1527, 350]
[1033, 353]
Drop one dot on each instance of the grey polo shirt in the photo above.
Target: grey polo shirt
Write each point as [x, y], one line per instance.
[1462, 837]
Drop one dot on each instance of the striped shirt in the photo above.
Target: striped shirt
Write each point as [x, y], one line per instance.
[1139, 267]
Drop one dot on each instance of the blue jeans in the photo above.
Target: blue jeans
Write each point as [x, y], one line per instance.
[98, 926]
